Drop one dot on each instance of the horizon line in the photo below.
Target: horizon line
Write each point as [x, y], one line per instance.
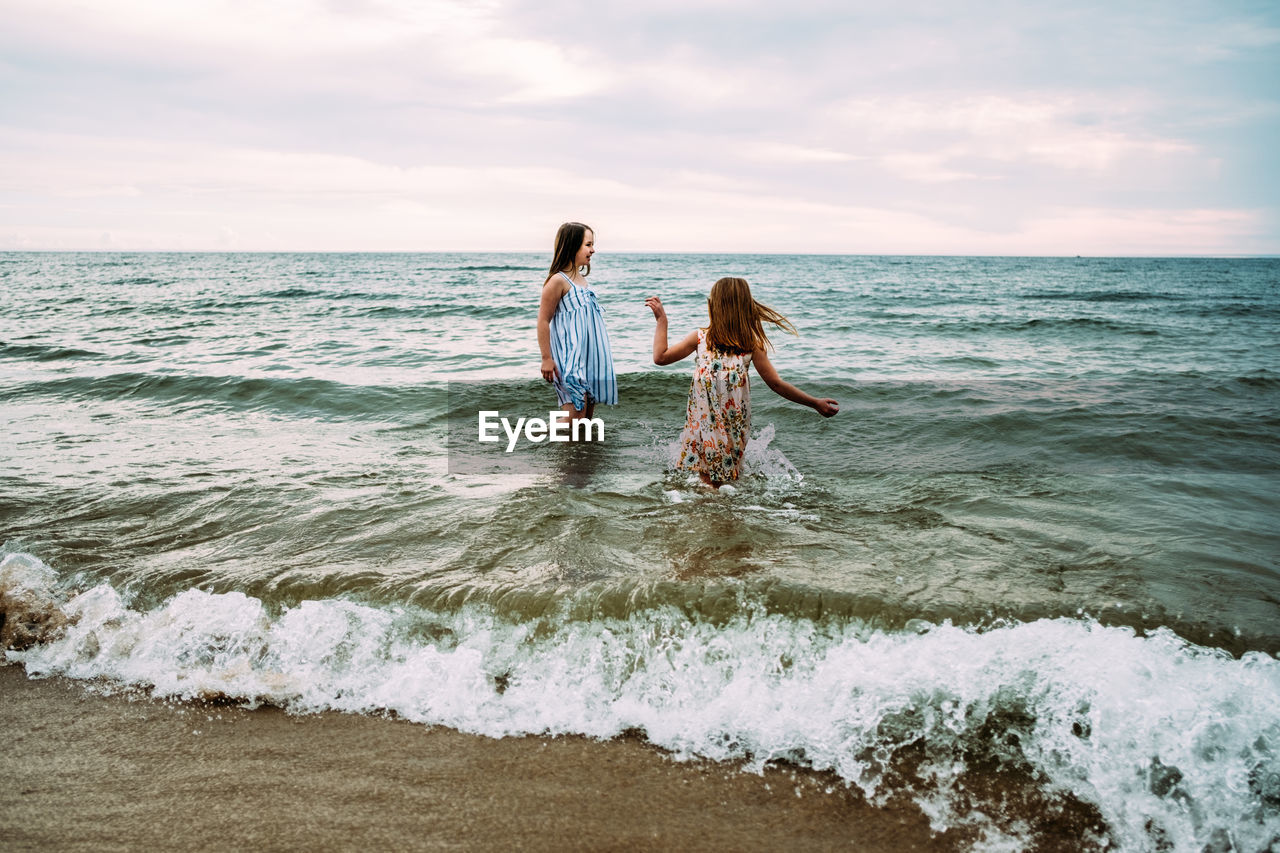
[1045, 255]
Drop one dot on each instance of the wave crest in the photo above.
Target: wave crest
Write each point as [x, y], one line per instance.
[1161, 738]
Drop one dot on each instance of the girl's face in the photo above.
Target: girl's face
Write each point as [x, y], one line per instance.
[583, 258]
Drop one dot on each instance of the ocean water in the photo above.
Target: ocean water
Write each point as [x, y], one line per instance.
[1041, 540]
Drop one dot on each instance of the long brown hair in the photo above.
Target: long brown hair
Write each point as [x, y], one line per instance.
[737, 320]
[569, 239]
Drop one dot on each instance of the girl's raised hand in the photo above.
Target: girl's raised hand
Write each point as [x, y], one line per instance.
[654, 304]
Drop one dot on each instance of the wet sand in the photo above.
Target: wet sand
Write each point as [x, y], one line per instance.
[91, 772]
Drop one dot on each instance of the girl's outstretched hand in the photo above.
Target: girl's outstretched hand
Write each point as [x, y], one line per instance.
[549, 369]
[826, 407]
[654, 304]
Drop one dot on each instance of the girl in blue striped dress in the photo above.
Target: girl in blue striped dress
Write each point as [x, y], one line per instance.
[576, 357]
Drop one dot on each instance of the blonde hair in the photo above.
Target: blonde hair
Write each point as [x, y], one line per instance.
[737, 320]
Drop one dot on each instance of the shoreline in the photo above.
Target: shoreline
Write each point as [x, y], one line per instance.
[113, 772]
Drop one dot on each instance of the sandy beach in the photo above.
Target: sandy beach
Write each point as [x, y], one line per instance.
[92, 772]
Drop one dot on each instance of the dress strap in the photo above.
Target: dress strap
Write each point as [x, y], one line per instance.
[572, 283]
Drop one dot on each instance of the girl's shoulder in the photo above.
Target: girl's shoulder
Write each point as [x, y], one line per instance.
[557, 282]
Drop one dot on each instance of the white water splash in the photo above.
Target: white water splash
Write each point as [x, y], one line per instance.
[1173, 743]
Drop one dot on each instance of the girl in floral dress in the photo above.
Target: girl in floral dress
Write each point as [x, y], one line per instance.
[718, 419]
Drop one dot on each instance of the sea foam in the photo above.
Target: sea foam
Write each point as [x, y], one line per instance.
[1175, 745]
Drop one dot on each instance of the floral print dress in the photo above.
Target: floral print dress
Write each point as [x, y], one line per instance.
[718, 420]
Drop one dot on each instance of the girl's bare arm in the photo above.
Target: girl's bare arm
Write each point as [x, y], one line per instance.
[824, 406]
[663, 354]
[552, 289]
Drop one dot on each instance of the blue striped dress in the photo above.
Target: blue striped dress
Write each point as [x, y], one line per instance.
[580, 349]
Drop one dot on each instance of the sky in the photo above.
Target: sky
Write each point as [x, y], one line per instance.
[974, 128]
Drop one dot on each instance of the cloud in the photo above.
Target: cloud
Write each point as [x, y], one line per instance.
[1139, 231]
[538, 71]
[1231, 39]
[200, 196]
[307, 44]
[282, 28]
[929, 167]
[1061, 131]
[783, 152]
[819, 125]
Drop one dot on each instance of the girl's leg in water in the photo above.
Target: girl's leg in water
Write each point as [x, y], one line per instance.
[706, 479]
